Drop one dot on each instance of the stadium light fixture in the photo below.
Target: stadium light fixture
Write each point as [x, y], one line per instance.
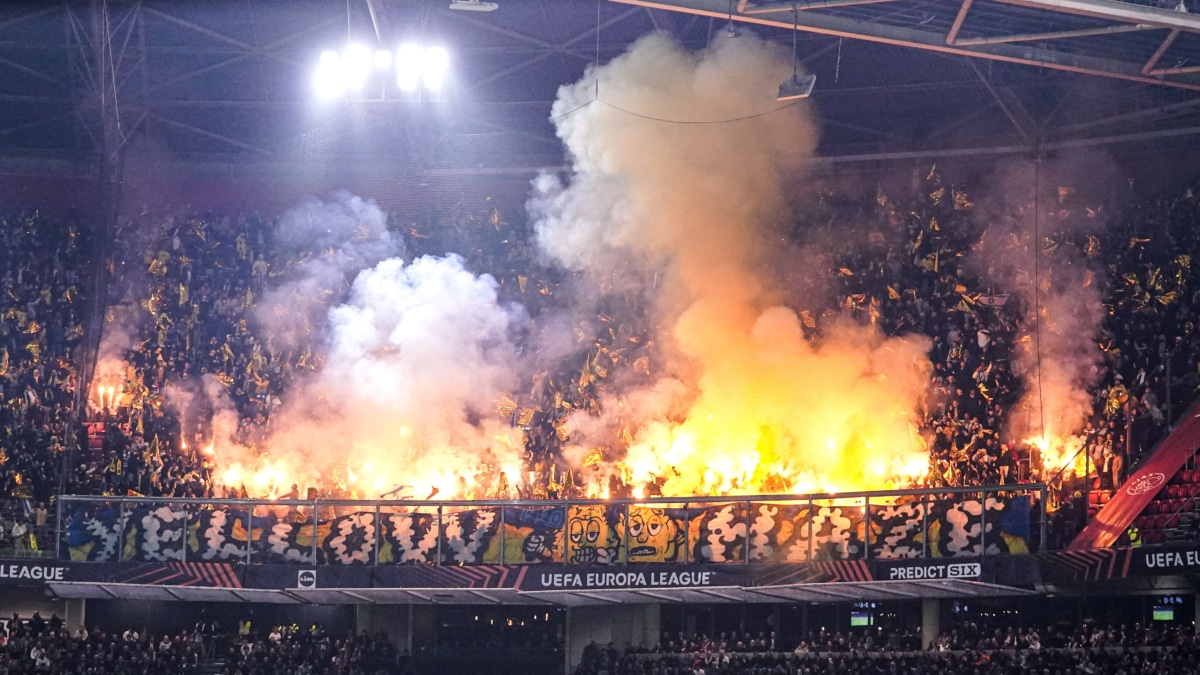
[434, 68]
[356, 66]
[328, 79]
[409, 62]
[796, 87]
[473, 5]
[416, 66]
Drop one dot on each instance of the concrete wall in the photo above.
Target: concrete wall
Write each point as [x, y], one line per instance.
[25, 601]
[393, 620]
[618, 624]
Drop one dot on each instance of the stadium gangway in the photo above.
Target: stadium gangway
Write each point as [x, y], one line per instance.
[859, 523]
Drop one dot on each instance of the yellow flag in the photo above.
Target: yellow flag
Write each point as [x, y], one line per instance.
[525, 416]
[892, 294]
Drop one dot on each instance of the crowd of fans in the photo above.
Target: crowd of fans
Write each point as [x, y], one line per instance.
[937, 267]
[38, 645]
[967, 649]
[190, 291]
[41, 312]
[291, 650]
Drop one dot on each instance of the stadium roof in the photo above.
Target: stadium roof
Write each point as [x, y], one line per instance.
[231, 81]
[826, 592]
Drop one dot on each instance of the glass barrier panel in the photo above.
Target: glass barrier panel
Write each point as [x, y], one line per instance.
[532, 534]
[953, 528]
[1012, 519]
[91, 530]
[717, 532]
[217, 532]
[779, 532]
[897, 530]
[467, 535]
[408, 535]
[654, 533]
[154, 532]
[348, 538]
[593, 534]
[839, 529]
[283, 535]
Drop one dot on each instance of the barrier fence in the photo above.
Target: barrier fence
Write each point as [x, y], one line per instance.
[927, 523]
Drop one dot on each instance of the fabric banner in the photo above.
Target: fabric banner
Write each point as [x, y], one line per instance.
[576, 534]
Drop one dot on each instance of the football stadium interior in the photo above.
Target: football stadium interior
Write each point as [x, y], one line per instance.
[599, 337]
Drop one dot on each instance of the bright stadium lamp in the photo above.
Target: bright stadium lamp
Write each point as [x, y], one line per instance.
[409, 66]
[434, 68]
[473, 6]
[797, 87]
[328, 80]
[356, 66]
[383, 59]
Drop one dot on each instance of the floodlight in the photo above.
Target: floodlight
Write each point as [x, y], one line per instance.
[356, 66]
[383, 59]
[328, 80]
[409, 66]
[434, 68]
[796, 87]
[473, 5]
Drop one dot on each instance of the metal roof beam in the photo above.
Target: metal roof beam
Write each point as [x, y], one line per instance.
[1008, 108]
[208, 134]
[1116, 11]
[35, 123]
[812, 4]
[28, 71]
[959, 19]
[1041, 37]
[904, 36]
[1135, 116]
[383, 31]
[1162, 49]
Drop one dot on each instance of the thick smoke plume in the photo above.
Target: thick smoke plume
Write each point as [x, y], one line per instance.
[416, 354]
[686, 214]
[1036, 251]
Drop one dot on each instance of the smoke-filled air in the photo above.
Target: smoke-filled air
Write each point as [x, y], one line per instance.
[688, 214]
[660, 322]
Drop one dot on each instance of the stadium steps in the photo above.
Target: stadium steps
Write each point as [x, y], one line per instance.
[1156, 496]
[1171, 515]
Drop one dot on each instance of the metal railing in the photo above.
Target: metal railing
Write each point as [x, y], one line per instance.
[841, 526]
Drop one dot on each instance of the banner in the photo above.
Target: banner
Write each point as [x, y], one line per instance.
[573, 534]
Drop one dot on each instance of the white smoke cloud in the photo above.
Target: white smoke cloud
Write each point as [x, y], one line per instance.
[417, 356]
[688, 215]
[1032, 249]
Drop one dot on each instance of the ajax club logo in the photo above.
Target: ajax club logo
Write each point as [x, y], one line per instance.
[306, 579]
[1144, 484]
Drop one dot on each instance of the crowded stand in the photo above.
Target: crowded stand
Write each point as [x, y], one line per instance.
[38, 645]
[41, 314]
[189, 290]
[965, 649]
[290, 649]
